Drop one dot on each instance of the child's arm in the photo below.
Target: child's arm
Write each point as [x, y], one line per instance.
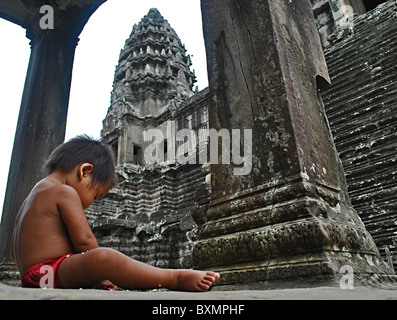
[71, 210]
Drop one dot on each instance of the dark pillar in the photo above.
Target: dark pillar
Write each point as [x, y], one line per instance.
[289, 222]
[42, 120]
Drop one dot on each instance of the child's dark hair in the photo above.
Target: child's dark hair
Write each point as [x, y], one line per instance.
[82, 149]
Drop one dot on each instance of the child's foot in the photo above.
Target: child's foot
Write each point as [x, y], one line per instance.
[191, 280]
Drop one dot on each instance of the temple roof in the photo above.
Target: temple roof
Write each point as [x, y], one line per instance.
[153, 70]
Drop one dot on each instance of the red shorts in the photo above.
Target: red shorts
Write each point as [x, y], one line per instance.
[33, 275]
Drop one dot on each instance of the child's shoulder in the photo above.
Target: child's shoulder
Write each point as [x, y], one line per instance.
[64, 191]
[58, 190]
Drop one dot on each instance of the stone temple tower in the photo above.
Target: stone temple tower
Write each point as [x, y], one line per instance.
[153, 75]
[148, 216]
[153, 69]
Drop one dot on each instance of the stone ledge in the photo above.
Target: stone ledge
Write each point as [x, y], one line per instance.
[321, 293]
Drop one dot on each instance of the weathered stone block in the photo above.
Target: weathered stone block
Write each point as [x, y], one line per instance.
[289, 220]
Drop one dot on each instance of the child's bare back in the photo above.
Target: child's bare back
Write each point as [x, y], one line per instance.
[40, 232]
[52, 230]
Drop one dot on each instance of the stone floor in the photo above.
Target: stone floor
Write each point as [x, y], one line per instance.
[321, 293]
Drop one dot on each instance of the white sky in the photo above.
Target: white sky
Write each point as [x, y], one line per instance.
[95, 61]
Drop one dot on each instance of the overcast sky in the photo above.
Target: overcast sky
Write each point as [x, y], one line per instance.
[95, 60]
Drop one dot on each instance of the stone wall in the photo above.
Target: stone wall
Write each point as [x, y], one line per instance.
[289, 222]
[148, 216]
[361, 106]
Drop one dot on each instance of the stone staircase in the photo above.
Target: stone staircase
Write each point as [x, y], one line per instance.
[361, 105]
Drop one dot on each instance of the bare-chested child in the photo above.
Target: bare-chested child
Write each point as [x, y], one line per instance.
[52, 230]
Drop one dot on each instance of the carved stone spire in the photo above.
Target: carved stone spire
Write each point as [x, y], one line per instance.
[153, 68]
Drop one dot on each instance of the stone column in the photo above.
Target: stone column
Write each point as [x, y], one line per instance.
[289, 222]
[42, 120]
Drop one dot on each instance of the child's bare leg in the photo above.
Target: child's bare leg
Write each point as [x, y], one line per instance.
[88, 269]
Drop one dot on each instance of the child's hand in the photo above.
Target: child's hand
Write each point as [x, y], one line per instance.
[106, 285]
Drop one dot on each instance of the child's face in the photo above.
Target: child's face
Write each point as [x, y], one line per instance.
[88, 193]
